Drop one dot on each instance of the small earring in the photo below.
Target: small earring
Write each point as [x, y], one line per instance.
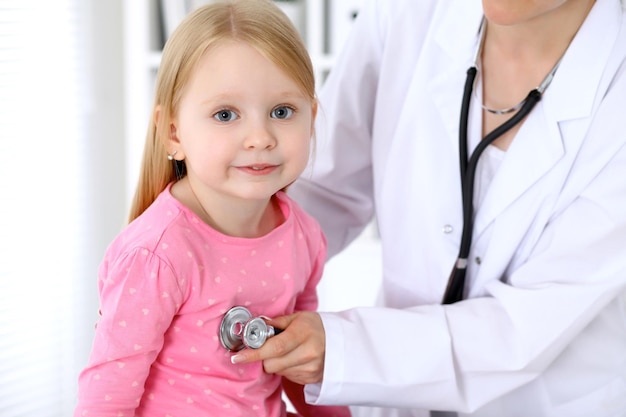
[171, 157]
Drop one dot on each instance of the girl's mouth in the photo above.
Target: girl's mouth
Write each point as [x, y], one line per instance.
[258, 169]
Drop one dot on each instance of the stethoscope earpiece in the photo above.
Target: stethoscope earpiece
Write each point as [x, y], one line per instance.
[239, 330]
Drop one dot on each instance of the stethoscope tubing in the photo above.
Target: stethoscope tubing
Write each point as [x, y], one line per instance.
[456, 281]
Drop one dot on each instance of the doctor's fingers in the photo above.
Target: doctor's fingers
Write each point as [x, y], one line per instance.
[301, 341]
[282, 322]
[293, 368]
[302, 347]
[297, 329]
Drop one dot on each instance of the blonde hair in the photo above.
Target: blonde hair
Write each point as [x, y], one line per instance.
[260, 24]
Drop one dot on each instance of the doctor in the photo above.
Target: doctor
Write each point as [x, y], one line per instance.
[541, 327]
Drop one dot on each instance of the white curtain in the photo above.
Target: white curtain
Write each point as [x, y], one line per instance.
[55, 190]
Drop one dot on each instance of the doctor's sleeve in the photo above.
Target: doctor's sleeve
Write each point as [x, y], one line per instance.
[337, 187]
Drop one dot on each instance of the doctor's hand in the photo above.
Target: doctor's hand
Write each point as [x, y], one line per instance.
[296, 353]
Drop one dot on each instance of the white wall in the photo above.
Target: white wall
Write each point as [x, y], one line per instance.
[61, 117]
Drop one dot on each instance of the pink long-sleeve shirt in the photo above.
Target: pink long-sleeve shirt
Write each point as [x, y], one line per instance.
[165, 283]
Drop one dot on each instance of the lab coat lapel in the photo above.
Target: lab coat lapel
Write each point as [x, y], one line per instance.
[540, 143]
[535, 150]
[457, 38]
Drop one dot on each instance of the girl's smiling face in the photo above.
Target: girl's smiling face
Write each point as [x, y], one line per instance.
[243, 126]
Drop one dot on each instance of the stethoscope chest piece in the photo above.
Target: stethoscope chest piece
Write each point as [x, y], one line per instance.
[232, 326]
[239, 329]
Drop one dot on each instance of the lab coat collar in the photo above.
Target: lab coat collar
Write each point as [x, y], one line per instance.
[457, 33]
[573, 94]
[457, 36]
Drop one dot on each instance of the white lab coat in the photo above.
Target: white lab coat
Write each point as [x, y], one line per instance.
[543, 332]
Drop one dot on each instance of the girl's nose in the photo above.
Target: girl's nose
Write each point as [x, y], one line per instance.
[260, 137]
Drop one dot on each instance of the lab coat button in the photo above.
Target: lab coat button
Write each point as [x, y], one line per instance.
[478, 260]
[447, 229]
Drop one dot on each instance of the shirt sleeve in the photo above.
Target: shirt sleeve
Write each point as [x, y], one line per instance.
[139, 296]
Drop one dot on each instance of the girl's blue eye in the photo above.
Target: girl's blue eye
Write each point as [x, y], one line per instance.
[282, 112]
[225, 115]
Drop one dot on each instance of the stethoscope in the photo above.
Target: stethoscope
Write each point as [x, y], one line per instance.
[239, 329]
[456, 281]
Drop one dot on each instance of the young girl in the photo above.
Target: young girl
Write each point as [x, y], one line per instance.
[210, 227]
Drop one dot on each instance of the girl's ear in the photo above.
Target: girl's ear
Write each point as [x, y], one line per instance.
[173, 135]
[173, 143]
